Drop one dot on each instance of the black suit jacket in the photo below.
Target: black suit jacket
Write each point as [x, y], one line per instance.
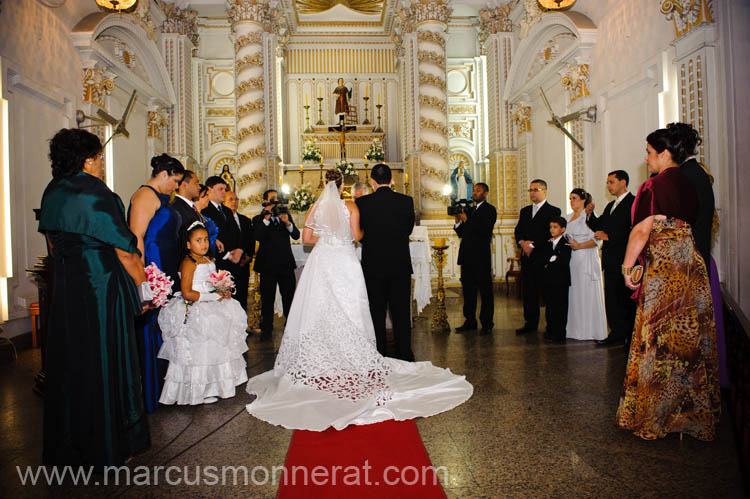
[556, 273]
[187, 213]
[703, 224]
[617, 225]
[387, 219]
[476, 237]
[247, 237]
[220, 217]
[275, 250]
[535, 229]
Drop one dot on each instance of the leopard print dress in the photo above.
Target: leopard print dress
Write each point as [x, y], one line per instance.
[671, 383]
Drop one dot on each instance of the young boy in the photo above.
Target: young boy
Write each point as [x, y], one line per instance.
[556, 281]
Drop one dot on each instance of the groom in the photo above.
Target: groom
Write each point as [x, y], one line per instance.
[387, 219]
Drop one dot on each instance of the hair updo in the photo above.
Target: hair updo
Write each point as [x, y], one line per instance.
[334, 175]
[585, 196]
[680, 139]
[70, 148]
[166, 163]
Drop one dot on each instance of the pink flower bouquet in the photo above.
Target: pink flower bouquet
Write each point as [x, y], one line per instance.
[221, 281]
[161, 284]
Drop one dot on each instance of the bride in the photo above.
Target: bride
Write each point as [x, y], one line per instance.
[328, 372]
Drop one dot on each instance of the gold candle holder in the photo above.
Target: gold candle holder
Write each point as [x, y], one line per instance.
[366, 122]
[307, 119]
[367, 174]
[377, 128]
[255, 310]
[301, 174]
[320, 184]
[320, 112]
[440, 315]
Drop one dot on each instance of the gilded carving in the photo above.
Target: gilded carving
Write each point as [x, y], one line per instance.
[434, 196]
[257, 11]
[430, 79]
[432, 37]
[251, 154]
[550, 52]
[97, 84]
[220, 133]
[441, 151]
[421, 11]
[424, 100]
[156, 121]
[461, 130]
[257, 129]
[433, 125]
[250, 107]
[255, 59]
[431, 172]
[181, 21]
[496, 20]
[244, 40]
[251, 201]
[687, 14]
[219, 111]
[317, 6]
[533, 14]
[432, 57]
[142, 18]
[249, 178]
[575, 81]
[462, 109]
[522, 118]
[248, 85]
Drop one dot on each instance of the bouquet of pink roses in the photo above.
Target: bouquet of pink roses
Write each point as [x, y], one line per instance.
[221, 281]
[161, 284]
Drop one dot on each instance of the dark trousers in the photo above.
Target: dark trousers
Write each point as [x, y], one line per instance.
[531, 277]
[556, 310]
[284, 278]
[475, 280]
[241, 276]
[392, 294]
[618, 304]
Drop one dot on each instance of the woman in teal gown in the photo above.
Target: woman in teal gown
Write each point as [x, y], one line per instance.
[156, 225]
[93, 405]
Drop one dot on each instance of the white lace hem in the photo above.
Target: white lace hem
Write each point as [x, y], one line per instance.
[191, 385]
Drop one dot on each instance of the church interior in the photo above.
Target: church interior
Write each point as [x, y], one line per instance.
[447, 93]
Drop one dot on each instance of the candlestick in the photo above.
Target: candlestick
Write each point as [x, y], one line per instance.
[365, 90]
[320, 112]
[320, 184]
[366, 121]
[440, 316]
[305, 99]
[301, 174]
[378, 97]
[320, 92]
[307, 119]
[377, 128]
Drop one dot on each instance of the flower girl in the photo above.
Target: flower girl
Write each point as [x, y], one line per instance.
[203, 330]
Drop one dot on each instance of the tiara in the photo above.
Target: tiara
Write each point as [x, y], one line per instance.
[194, 224]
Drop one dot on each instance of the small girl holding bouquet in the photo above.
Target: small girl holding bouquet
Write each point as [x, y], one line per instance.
[203, 330]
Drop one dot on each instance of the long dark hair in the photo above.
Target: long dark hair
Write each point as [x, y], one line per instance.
[70, 148]
[680, 139]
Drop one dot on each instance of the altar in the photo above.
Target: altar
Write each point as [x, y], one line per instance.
[358, 140]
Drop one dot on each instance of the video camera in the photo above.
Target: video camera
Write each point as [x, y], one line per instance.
[459, 206]
[278, 206]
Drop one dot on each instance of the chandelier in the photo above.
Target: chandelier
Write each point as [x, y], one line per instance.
[116, 5]
[556, 4]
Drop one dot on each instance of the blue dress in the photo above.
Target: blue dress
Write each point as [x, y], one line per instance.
[161, 247]
[213, 233]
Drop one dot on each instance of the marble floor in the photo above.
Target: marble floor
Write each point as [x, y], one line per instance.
[540, 424]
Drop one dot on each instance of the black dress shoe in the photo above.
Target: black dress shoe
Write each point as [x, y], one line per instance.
[485, 331]
[610, 341]
[525, 329]
[466, 327]
[549, 339]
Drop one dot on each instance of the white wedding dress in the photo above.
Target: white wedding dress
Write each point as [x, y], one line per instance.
[328, 372]
[203, 343]
[586, 317]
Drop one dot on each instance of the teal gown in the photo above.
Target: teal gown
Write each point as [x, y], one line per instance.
[93, 404]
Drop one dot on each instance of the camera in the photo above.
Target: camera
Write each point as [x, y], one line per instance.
[278, 207]
[459, 206]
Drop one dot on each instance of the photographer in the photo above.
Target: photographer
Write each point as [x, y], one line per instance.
[274, 261]
[474, 226]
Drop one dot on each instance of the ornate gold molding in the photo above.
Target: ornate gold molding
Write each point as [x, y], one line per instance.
[251, 201]
[433, 125]
[431, 37]
[431, 172]
[97, 84]
[219, 111]
[257, 129]
[249, 178]
[255, 59]
[244, 40]
[522, 118]
[181, 21]
[434, 196]
[432, 102]
[256, 11]
[495, 20]
[156, 121]
[462, 109]
[687, 14]
[575, 81]
[432, 57]
[423, 11]
[250, 107]
[251, 154]
[461, 130]
[533, 14]
[248, 85]
[441, 151]
[430, 79]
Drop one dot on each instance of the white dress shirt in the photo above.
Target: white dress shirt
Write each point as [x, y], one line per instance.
[535, 207]
[618, 201]
[189, 202]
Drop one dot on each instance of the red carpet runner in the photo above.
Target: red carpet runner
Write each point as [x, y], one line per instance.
[379, 460]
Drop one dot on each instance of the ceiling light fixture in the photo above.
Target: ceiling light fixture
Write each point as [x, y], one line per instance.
[556, 4]
[116, 5]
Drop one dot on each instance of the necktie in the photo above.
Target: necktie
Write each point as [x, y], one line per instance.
[534, 209]
[614, 205]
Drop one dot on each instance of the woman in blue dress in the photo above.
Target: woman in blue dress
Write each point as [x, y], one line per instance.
[213, 229]
[156, 224]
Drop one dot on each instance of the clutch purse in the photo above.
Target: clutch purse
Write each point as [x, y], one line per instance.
[637, 274]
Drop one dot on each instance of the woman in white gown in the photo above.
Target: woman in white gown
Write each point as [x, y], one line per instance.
[586, 317]
[328, 372]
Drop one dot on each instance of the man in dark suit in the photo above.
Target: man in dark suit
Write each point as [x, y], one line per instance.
[532, 233]
[387, 219]
[556, 257]
[274, 261]
[475, 258]
[187, 193]
[706, 206]
[613, 227]
[239, 230]
[230, 257]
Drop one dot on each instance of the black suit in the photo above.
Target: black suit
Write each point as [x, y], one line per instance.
[556, 287]
[704, 223]
[534, 229]
[188, 215]
[275, 263]
[239, 236]
[475, 259]
[387, 219]
[620, 308]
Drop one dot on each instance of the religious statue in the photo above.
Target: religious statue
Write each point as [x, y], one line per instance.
[461, 182]
[227, 176]
[342, 100]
